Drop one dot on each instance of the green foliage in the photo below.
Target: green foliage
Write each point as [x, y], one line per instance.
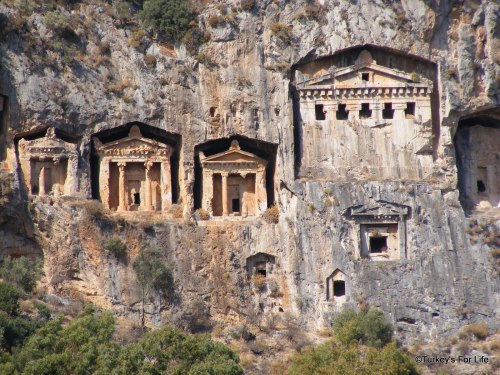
[151, 271]
[361, 345]
[86, 346]
[169, 18]
[57, 21]
[369, 328]
[9, 298]
[22, 272]
[15, 330]
[193, 39]
[116, 247]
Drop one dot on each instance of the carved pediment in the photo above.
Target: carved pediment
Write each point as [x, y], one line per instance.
[47, 146]
[379, 211]
[133, 145]
[234, 156]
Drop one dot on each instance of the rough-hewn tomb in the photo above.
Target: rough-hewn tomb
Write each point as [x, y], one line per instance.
[134, 173]
[49, 165]
[234, 183]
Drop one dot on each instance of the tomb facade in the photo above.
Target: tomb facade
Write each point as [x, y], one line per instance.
[478, 157]
[134, 173]
[364, 121]
[49, 165]
[382, 230]
[234, 183]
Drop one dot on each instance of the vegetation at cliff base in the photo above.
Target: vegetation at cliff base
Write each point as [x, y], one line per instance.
[361, 345]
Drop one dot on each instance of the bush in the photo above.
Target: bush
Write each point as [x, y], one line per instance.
[202, 214]
[22, 272]
[116, 247]
[193, 39]
[169, 18]
[369, 328]
[176, 211]
[282, 31]
[272, 215]
[476, 330]
[9, 298]
[247, 5]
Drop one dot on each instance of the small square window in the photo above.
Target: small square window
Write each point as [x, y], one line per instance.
[410, 110]
[365, 77]
[338, 288]
[378, 245]
[388, 112]
[342, 113]
[365, 111]
[320, 112]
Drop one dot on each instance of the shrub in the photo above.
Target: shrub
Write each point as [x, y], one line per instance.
[116, 247]
[476, 330]
[193, 39]
[22, 272]
[202, 214]
[281, 31]
[271, 215]
[150, 61]
[415, 77]
[176, 211]
[216, 20]
[9, 298]
[169, 18]
[57, 22]
[369, 328]
[450, 73]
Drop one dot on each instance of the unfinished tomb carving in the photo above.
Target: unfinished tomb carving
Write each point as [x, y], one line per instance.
[234, 183]
[336, 287]
[382, 230]
[134, 173]
[365, 120]
[49, 165]
[260, 264]
[478, 157]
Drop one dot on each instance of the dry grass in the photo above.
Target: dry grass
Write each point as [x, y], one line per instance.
[202, 214]
[272, 215]
[478, 331]
[176, 211]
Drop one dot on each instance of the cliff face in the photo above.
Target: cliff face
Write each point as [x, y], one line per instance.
[243, 82]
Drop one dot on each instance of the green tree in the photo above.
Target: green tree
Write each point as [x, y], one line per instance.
[9, 298]
[169, 18]
[116, 247]
[152, 274]
[22, 272]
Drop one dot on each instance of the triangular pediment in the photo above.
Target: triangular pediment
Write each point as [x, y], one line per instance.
[49, 144]
[236, 156]
[379, 209]
[139, 143]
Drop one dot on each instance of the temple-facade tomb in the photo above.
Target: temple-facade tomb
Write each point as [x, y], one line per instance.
[49, 165]
[134, 173]
[234, 183]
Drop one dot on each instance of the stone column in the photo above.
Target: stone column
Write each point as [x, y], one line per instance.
[41, 182]
[104, 182]
[225, 209]
[147, 193]
[166, 185]
[121, 187]
[260, 192]
[70, 185]
[208, 191]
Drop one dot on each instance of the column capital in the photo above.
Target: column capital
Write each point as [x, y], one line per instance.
[121, 165]
[224, 174]
[148, 164]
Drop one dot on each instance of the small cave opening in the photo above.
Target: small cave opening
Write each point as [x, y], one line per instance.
[477, 146]
[410, 110]
[260, 264]
[147, 131]
[262, 149]
[212, 111]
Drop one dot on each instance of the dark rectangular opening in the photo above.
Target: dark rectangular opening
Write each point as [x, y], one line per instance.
[342, 113]
[339, 288]
[481, 187]
[378, 244]
[137, 198]
[320, 112]
[365, 77]
[388, 112]
[260, 269]
[212, 111]
[365, 111]
[236, 205]
[410, 110]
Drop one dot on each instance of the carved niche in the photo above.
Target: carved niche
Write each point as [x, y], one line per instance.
[382, 230]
